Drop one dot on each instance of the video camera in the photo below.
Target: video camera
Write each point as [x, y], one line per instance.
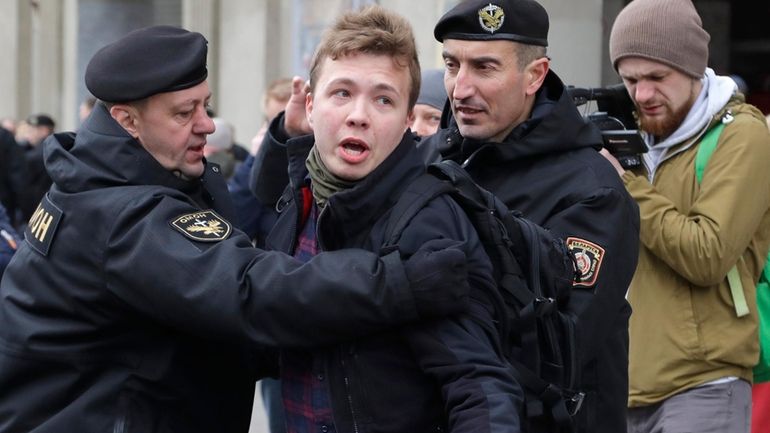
[614, 117]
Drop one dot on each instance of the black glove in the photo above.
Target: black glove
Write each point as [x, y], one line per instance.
[438, 276]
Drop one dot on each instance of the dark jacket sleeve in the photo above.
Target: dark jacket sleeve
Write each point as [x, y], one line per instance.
[270, 174]
[463, 353]
[608, 219]
[229, 290]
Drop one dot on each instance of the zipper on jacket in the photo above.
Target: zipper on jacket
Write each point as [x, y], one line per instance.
[348, 393]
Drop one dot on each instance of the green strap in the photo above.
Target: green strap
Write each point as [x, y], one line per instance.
[707, 146]
[766, 271]
[762, 369]
[736, 290]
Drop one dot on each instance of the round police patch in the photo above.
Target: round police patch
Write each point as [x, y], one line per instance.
[588, 257]
[204, 226]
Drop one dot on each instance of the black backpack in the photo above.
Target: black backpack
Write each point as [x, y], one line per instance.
[535, 273]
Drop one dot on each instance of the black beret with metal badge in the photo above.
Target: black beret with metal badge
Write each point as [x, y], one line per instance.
[147, 61]
[524, 21]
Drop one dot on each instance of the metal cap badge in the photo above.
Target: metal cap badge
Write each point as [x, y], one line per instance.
[491, 17]
[523, 21]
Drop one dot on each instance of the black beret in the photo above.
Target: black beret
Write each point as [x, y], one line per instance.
[41, 120]
[524, 21]
[147, 61]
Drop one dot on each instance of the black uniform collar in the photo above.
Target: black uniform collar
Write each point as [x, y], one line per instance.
[102, 154]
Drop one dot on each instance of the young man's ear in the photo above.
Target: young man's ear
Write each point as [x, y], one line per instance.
[535, 74]
[126, 116]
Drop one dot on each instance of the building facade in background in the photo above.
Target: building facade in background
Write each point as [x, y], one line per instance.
[47, 43]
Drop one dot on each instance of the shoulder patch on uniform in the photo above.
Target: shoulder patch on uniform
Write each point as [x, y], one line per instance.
[42, 226]
[589, 257]
[204, 226]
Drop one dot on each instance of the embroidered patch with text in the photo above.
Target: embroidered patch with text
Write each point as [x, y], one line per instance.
[588, 257]
[204, 226]
[42, 226]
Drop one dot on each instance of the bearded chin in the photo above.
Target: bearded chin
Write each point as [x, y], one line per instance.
[662, 127]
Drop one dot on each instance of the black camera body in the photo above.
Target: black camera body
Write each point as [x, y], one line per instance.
[615, 120]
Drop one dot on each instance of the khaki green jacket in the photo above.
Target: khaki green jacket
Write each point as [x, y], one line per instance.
[684, 330]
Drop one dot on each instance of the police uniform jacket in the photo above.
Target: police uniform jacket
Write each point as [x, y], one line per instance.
[549, 169]
[445, 375]
[133, 306]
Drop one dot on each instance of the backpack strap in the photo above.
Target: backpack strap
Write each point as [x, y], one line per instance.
[762, 369]
[561, 404]
[708, 145]
[706, 148]
[416, 196]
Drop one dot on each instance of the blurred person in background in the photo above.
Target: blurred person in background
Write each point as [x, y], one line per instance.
[37, 128]
[9, 240]
[85, 108]
[11, 175]
[9, 124]
[430, 103]
[219, 147]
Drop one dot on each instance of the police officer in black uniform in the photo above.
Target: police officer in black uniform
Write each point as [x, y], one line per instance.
[515, 129]
[134, 306]
[518, 133]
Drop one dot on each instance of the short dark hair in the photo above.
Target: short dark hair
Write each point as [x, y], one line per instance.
[526, 54]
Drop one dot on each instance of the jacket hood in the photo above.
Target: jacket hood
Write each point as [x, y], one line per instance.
[555, 124]
[102, 154]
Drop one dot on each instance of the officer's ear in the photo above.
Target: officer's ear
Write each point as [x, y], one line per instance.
[535, 73]
[126, 115]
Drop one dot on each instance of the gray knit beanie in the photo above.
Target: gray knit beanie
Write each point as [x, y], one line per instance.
[432, 90]
[666, 31]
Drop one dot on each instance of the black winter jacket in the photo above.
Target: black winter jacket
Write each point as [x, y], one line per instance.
[549, 169]
[445, 375]
[117, 315]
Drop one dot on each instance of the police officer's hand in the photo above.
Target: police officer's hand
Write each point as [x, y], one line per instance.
[438, 276]
[295, 119]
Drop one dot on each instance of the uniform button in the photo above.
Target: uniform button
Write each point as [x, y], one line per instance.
[215, 169]
[320, 377]
[324, 428]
